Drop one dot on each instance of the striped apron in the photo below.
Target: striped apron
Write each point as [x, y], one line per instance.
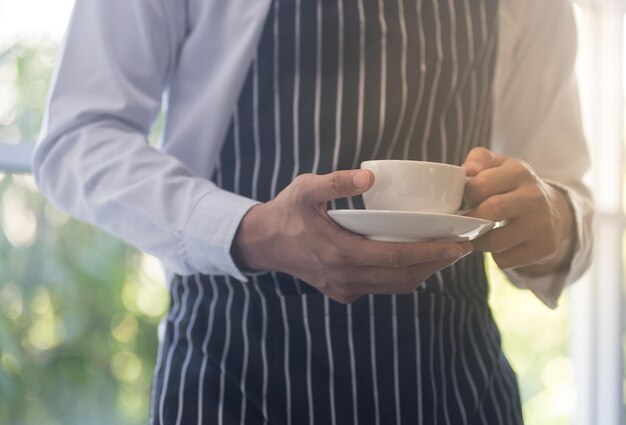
[334, 83]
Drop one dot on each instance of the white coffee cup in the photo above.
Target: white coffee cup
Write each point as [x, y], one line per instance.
[415, 186]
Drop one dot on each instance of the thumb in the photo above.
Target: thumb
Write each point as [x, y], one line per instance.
[480, 159]
[339, 184]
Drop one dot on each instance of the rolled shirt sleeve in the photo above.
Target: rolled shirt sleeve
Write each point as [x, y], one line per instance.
[93, 159]
[537, 119]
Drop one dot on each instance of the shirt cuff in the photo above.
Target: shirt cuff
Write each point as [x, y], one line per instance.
[211, 229]
[548, 288]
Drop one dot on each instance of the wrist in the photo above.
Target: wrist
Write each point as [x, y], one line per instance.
[566, 236]
[567, 229]
[246, 247]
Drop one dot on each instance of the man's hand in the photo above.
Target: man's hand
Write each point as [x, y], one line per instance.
[538, 234]
[293, 234]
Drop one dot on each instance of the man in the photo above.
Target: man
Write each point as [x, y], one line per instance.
[278, 315]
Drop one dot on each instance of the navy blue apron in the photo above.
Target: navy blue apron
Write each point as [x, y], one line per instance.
[334, 83]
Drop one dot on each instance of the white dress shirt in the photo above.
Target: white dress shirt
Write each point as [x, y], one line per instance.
[122, 61]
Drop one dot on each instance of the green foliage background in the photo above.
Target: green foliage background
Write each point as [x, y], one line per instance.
[79, 309]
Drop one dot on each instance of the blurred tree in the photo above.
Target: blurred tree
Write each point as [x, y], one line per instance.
[78, 308]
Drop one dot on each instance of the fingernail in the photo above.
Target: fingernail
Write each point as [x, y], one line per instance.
[361, 179]
[453, 253]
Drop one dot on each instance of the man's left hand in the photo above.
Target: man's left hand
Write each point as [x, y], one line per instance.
[537, 236]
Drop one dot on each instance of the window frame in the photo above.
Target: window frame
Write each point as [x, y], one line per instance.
[15, 158]
[597, 303]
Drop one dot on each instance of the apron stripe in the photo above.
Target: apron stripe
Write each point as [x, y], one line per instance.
[353, 371]
[396, 372]
[418, 359]
[455, 325]
[339, 95]
[296, 93]
[331, 365]
[360, 94]
[277, 111]
[318, 89]
[403, 78]
[263, 342]
[442, 365]
[463, 352]
[285, 320]
[188, 335]
[221, 401]
[205, 351]
[309, 355]
[375, 388]
[170, 353]
[244, 367]
[433, 93]
[157, 381]
[383, 77]
[453, 85]
[257, 136]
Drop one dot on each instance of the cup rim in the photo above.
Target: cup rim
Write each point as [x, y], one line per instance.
[409, 161]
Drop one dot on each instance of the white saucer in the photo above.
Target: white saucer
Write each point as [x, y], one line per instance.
[407, 226]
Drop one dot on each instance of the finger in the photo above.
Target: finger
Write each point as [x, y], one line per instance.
[315, 189]
[341, 297]
[504, 238]
[494, 181]
[359, 251]
[501, 207]
[521, 255]
[480, 159]
[382, 280]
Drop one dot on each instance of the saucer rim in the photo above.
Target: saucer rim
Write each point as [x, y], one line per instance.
[409, 213]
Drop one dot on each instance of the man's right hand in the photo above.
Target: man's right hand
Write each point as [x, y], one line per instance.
[293, 234]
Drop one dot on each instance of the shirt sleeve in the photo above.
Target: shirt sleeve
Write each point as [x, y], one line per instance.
[537, 119]
[93, 159]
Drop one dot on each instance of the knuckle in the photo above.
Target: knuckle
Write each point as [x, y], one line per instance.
[431, 253]
[331, 281]
[519, 168]
[295, 228]
[395, 259]
[479, 152]
[497, 205]
[333, 257]
[341, 280]
[472, 189]
[343, 296]
[423, 276]
[536, 195]
[302, 178]
[317, 262]
[408, 279]
[479, 187]
[551, 245]
[501, 260]
[342, 299]
[335, 183]
[338, 280]
[321, 282]
[409, 288]
[345, 299]
[298, 187]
